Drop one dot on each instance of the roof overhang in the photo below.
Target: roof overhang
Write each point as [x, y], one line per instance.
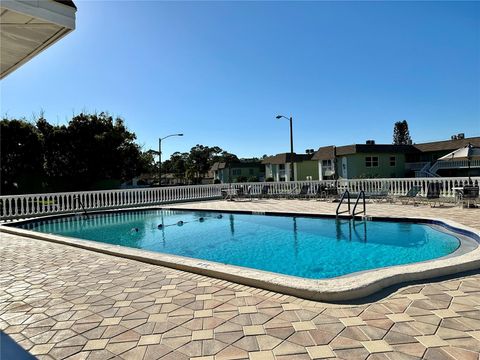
[29, 27]
[286, 158]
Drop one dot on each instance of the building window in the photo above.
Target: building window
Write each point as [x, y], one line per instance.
[281, 167]
[393, 161]
[371, 161]
[236, 171]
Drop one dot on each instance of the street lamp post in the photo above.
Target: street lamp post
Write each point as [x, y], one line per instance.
[292, 176]
[160, 156]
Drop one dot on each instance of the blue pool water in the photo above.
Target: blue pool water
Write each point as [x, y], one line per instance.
[300, 246]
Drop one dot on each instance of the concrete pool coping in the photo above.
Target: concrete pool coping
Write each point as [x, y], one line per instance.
[347, 287]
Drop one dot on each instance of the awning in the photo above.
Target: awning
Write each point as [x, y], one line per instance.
[465, 153]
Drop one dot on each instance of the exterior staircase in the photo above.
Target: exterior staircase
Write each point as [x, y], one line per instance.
[426, 171]
[430, 170]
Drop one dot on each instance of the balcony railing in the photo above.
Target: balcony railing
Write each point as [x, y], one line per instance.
[416, 166]
[427, 169]
[454, 164]
[34, 205]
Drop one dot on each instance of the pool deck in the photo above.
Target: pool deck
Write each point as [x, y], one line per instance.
[60, 302]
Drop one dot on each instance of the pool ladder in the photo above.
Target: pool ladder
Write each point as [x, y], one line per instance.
[352, 229]
[346, 195]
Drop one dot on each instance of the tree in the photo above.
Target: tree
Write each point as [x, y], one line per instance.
[97, 148]
[191, 175]
[56, 150]
[21, 157]
[91, 149]
[401, 135]
[195, 164]
[176, 165]
[224, 156]
[147, 162]
[200, 159]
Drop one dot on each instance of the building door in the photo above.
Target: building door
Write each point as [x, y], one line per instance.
[344, 167]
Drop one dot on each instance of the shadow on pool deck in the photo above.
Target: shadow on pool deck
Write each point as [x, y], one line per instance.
[391, 290]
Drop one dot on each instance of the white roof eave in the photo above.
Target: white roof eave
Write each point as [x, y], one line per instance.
[21, 41]
[49, 11]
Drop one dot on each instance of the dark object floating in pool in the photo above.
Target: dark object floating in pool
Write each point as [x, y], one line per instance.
[201, 219]
[219, 216]
[134, 229]
[160, 226]
[180, 223]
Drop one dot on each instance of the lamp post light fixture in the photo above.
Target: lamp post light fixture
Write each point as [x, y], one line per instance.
[160, 156]
[292, 175]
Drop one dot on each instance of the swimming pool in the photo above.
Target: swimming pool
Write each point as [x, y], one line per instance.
[302, 246]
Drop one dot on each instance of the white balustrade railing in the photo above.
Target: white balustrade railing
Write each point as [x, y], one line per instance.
[33, 205]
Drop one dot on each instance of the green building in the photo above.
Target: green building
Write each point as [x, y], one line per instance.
[372, 160]
[361, 161]
[234, 171]
[423, 160]
[277, 167]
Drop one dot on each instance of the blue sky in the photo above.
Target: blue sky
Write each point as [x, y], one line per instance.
[221, 71]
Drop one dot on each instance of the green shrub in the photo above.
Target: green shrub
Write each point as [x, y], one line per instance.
[241, 179]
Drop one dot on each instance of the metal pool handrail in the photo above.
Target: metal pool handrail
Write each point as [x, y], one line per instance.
[364, 211]
[345, 194]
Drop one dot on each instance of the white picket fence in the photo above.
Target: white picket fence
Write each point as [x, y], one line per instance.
[32, 205]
